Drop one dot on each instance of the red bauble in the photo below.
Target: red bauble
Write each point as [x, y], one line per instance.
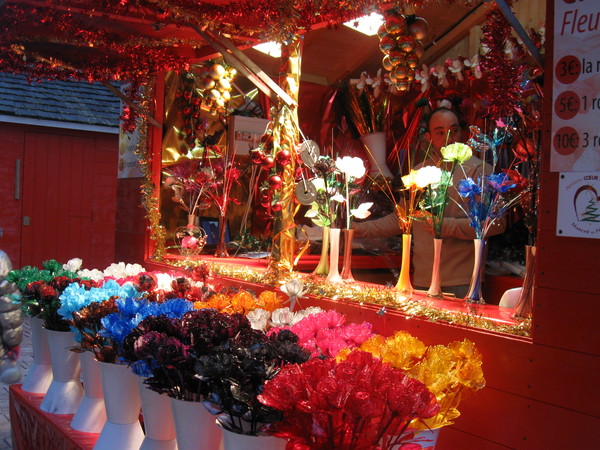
[418, 28]
[386, 63]
[399, 72]
[283, 157]
[396, 56]
[277, 206]
[387, 43]
[406, 43]
[268, 162]
[412, 60]
[395, 24]
[419, 49]
[256, 155]
[275, 182]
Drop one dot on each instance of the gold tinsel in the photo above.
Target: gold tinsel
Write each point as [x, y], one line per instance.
[387, 297]
[149, 196]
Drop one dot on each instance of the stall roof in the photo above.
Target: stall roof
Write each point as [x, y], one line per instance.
[55, 100]
[129, 39]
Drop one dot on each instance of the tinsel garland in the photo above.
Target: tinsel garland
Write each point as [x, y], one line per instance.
[386, 297]
[92, 38]
[150, 200]
[285, 137]
[503, 75]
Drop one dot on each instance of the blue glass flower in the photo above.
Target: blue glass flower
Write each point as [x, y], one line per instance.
[468, 188]
[500, 182]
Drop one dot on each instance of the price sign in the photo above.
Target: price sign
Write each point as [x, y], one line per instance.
[576, 87]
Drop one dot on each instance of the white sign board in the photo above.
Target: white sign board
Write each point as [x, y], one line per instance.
[245, 133]
[578, 212]
[129, 162]
[576, 87]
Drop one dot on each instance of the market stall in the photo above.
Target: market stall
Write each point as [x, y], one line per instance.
[223, 147]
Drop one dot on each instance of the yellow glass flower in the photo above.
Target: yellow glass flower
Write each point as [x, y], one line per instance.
[457, 152]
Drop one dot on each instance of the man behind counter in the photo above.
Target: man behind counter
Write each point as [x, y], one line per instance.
[457, 258]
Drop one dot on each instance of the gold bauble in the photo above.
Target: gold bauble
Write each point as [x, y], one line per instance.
[208, 83]
[402, 86]
[216, 71]
[225, 95]
[223, 85]
[399, 72]
[213, 94]
[386, 63]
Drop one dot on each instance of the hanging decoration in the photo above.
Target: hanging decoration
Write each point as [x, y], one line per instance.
[498, 61]
[282, 163]
[400, 39]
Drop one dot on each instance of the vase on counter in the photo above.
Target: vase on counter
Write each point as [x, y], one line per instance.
[377, 151]
[475, 293]
[404, 285]
[435, 288]
[333, 276]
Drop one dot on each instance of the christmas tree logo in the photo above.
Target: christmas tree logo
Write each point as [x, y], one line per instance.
[591, 211]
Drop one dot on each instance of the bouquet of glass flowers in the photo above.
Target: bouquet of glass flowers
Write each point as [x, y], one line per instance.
[200, 183]
[436, 196]
[38, 278]
[447, 371]
[326, 333]
[215, 358]
[336, 183]
[491, 195]
[358, 403]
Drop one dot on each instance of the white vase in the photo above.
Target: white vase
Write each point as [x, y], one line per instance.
[377, 151]
[39, 376]
[122, 430]
[158, 419]
[475, 293]
[435, 288]
[65, 392]
[91, 414]
[236, 441]
[334, 255]
[427, 439]
[194, 426]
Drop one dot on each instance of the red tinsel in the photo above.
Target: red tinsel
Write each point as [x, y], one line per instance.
[502, 73]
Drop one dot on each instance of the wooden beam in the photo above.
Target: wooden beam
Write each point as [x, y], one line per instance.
[455, 34]
[141, 111]
[533, 50]
[242, 63]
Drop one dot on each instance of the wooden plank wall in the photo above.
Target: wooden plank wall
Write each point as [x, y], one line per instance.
[68, 190]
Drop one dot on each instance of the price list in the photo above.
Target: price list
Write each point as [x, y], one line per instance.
[576, 86]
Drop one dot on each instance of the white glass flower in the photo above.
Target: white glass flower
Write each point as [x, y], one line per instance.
[294, 289]
[427, 175]
[351, 166]
[362, 212]
[258, 319]
[73, 265]
[93, 274]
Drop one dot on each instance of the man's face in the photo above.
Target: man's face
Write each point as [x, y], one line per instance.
[444, 129]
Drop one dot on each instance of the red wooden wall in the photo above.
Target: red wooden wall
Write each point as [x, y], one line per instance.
[130, 224]
[67, 195]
